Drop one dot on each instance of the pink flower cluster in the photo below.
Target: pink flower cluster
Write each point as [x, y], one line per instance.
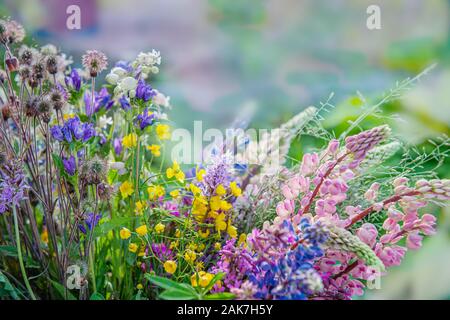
[319, 189]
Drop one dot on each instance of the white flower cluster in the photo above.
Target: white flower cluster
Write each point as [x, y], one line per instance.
[148, 62]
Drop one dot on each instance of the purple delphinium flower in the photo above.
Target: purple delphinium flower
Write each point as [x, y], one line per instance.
[56, 132]
[73, 81]
[67, 133]
[144, 91]
[145, 119]
[70, 165]
[91, 221]
[117, 146]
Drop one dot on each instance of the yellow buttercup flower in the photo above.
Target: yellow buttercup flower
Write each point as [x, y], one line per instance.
[174, 245]
[232, 231]
[203, 234]
[235, 190]
[159, 228]
[126, 189]
[190, 256]
[163, 131]
[154, 149]
[176, 172]
[201, 247]
[220, 222]
[199, 210]
[130, 141]
[140, 206]
[142, 230]
[199, 174]
[142, 250]
[175, 193]
[139, 286]
[132, 247]
[225, 206]
[215, 203]
[155, 192]
[170, 266]
[220, 190]
[217, 246]
[204, 278]
[68, 116]
[124, 233]
[177, 233]
[242, 238]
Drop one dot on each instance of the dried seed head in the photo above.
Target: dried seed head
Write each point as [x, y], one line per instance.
[26, 56]
[44, 106]
[6, 111]
[104, 191]
[25, 72]
[57, 100]
[38, 70]
[94, 171]
[95, 62]
[52, 64]
[31, 107]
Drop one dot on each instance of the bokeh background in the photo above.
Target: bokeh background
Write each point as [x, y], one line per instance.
[280, 56]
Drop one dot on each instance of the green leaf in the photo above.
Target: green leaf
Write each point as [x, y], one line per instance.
[174, 294]
[6, 288]
[220, 296]
[97, 296]
[59, 164]
[8, 251]
[218, 276]
[170, 284]
[60, 289]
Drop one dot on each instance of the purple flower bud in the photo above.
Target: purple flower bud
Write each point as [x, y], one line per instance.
[73, 81]
[361, 143]
[70, 165]
[117, 146]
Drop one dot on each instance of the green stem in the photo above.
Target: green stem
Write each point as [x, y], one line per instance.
[19, 254]
[91, 263]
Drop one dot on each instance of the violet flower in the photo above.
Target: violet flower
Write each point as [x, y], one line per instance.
[73, 81]
[144, 91]
[145, 119]
[69, 165]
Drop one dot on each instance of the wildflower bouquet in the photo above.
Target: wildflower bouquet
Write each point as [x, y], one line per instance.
[90, 210]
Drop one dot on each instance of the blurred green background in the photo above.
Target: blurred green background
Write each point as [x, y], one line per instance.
[280, 56]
